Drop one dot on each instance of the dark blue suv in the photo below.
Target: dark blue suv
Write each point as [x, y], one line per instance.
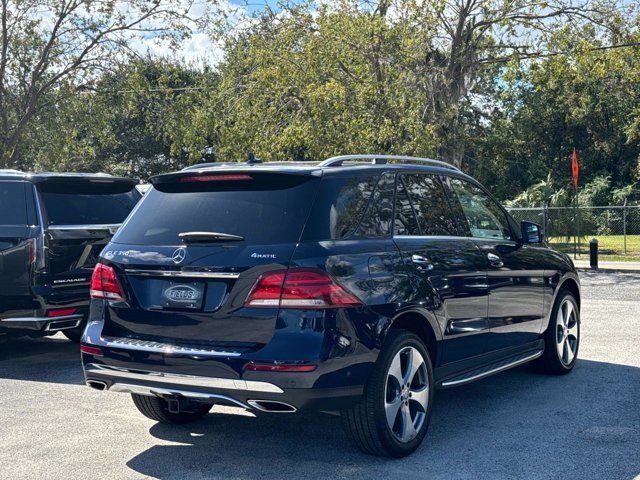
[359, 285]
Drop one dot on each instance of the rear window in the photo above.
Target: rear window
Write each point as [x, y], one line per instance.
[87, 204]
[266, 209]
[13, 205]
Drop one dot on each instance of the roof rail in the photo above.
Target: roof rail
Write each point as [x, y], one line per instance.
[383, 159]
[11, 171]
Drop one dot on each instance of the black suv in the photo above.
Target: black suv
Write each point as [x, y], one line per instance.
[52, 228]
[358, 285]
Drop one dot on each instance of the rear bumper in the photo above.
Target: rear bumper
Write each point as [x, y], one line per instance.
[339, 349]
[43, 325]
[28, 314]
[248, 394]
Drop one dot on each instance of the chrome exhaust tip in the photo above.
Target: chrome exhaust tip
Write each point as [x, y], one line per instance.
[97, 385]
[272, 406]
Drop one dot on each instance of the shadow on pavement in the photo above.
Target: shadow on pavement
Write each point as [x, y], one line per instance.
[517, 424]
[47, 359]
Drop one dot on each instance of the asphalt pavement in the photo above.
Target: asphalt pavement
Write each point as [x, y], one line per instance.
[518, 424]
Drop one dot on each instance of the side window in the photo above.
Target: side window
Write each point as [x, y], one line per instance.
[484, 217]
[427, 195]
[13, 203]
[405, 222]
[376, 221]
[352, 207]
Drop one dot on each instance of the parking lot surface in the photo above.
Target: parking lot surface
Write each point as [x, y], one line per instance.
[514, 425]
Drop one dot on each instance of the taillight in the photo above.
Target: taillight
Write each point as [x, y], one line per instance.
[105, 284]
[300, 288]
[36, 253]
[32, 251]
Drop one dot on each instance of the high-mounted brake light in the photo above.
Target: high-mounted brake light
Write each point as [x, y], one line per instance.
[215, 178]
[300, 288]
[105, 284]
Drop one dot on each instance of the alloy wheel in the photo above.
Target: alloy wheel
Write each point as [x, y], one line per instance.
[406, 394]
[567, 332]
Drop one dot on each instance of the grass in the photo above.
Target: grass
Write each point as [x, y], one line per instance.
[610, 247]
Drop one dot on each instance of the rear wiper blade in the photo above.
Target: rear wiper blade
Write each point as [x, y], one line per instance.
[204, 237]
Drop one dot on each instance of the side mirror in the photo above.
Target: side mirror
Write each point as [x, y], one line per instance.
[531, 232]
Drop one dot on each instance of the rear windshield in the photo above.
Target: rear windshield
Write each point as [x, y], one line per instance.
[87, 205]
[265, 209]
[13, 205]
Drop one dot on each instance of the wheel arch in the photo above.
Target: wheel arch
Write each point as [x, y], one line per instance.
[423, 326]
[569, 282]
[571, 285]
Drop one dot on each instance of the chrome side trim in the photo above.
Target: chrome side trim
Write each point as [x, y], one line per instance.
[100, 226]
[166, 392]
[181, 273]
[462, 381]
[165, 348]
[40, 319]
[177, 379]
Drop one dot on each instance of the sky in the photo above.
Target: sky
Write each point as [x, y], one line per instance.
[199, 48]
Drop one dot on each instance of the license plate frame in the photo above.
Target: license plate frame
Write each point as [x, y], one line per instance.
[183, 295]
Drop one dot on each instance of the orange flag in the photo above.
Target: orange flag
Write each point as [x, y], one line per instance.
[575, 168]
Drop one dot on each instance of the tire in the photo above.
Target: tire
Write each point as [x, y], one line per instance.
[157, 409]
[366, 423]
[559, 337]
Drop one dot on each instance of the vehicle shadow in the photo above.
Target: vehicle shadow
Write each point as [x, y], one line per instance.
[518, 424]
[47, 359]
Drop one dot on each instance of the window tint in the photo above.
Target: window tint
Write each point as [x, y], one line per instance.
[484, 217]
[405, 222]
[376, 222]
[88, 209]
[267, 209]
[430, 203]
[13, 206]
[351, 207]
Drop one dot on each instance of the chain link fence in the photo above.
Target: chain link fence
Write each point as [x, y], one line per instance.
[569, 229]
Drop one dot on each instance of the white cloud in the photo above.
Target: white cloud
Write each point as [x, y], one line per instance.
[199, 48]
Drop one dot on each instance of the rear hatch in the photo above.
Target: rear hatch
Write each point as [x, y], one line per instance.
[196, 245]
[80, 215]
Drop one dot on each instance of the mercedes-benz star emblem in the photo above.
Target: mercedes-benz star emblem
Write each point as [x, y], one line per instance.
[179, 255]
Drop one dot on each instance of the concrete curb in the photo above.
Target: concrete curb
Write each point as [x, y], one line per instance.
[608, 270]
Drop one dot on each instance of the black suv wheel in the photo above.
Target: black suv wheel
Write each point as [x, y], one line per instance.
[562, 338]
[393, 415]
[158, 409]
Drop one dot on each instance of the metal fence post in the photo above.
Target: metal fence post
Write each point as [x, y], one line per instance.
[545, 220]
[624, 224]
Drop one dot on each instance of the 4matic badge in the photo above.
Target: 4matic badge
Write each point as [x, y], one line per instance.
[263, 255]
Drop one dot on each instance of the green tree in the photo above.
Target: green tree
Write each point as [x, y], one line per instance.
[52, 45]
[146, 117]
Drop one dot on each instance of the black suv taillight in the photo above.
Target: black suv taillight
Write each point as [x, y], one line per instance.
[300, 288]
[105, 284]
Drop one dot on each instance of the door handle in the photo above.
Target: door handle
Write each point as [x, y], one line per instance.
[495, 260]
[422, 263]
